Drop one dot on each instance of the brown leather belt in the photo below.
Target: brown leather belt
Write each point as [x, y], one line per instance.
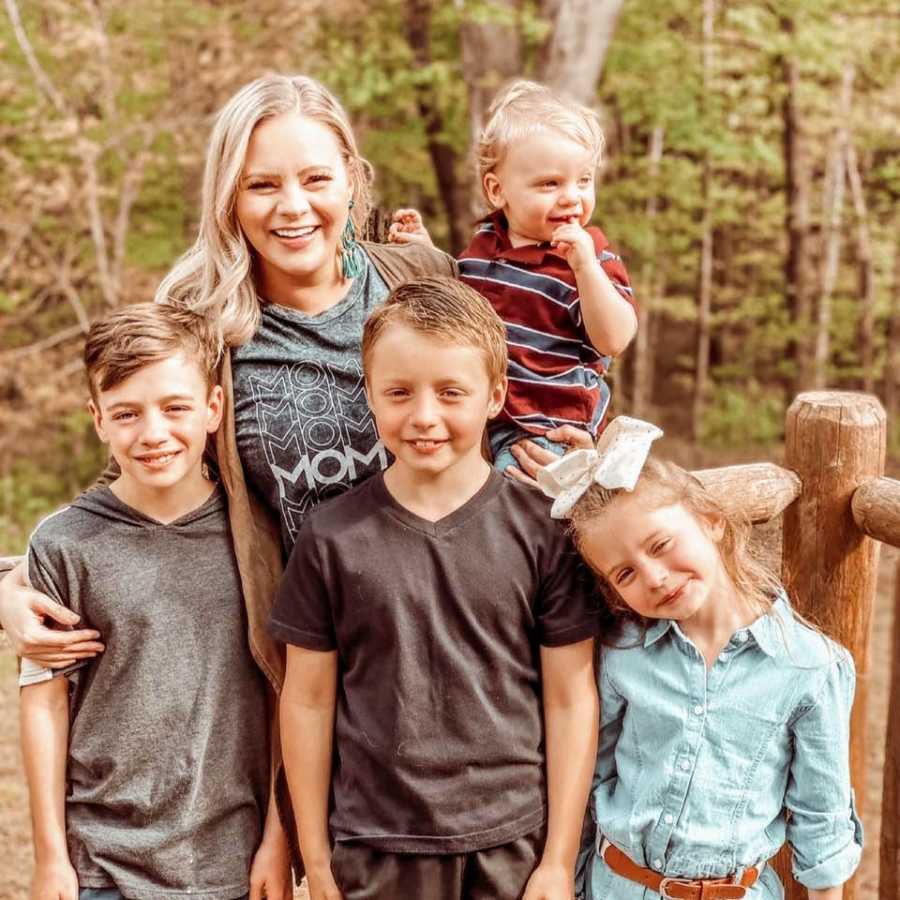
[678, 888]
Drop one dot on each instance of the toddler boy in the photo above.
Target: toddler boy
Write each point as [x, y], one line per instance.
[440, 634]
[148, 767]
[562, 294]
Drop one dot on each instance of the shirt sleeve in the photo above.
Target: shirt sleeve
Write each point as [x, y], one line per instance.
[302, 614]
[824, 829]
[617, 274]
[569, 607]
[49, 579]
[612, 265]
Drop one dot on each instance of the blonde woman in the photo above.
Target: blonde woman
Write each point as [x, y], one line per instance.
[277, 265]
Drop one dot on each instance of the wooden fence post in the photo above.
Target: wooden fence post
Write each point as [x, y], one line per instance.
[834, 441]
[889, 863]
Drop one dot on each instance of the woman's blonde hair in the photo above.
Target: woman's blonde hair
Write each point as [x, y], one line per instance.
[215, 277]
[524, 108]
[666, 484]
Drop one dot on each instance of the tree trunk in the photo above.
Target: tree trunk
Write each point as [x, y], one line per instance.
[704, 294]
[643, 358]
[866, 272]
[571, 60]
[889, 857]
[892, 364]
[444, 158]
[572, 57]
[832, 212]
[798, 267]
[491, 55]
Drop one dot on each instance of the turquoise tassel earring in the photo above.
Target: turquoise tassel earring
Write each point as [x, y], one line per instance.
[352, 261]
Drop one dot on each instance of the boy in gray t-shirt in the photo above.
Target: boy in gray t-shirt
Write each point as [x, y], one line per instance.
[148, 768]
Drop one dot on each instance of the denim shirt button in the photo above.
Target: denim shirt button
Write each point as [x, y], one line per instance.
[723, 656]
[742, 637]
[685, 764]
[669, 818]
[657, 863]
[698, 710]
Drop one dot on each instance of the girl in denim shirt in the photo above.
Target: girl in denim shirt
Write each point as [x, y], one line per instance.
[724, 716]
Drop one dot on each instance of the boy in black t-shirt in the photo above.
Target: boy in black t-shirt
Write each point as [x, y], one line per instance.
[441, 634]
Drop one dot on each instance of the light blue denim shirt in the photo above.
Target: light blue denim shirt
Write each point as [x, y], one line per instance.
[696, 767]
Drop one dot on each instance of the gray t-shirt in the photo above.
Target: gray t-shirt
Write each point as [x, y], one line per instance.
[304, 428]
[168, 763]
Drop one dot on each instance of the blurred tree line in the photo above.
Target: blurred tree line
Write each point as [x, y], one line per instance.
[750, 180]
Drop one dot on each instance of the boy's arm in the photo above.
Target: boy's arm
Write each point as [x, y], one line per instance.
[307, 725]
[609, 319]
[571, 723]
[270, 872]
[44, 712]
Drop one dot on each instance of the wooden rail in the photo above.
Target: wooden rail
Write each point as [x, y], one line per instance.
[876, 509]
[837, 506]
[760, 491]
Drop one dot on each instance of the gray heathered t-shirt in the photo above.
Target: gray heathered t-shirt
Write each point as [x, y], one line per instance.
[304, 428]
[168, 770]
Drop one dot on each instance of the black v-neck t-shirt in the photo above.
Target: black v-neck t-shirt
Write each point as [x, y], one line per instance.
[437, 625]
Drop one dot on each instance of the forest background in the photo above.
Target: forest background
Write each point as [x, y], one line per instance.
[750, 179]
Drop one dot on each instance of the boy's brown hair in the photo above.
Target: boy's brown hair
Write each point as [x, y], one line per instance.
[445, 308]
[126, 340]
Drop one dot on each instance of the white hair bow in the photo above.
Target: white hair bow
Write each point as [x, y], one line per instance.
[616, 463]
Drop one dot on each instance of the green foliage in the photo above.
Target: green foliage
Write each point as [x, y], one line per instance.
[740, 416]
[144, 83]
[35, 485]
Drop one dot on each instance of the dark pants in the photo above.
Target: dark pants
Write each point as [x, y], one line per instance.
[498, 873]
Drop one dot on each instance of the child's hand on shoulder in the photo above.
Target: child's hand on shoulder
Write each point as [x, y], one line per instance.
[407, 227]
[576, 245]
[54, 881]
[550, 881]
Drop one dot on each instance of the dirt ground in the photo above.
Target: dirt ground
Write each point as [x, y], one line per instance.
[15, 848]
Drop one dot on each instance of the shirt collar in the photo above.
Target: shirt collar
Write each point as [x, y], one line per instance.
[530, 254]
[771, 631]
[656, 631]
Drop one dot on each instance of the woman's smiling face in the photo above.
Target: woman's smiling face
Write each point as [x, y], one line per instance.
[293, 201]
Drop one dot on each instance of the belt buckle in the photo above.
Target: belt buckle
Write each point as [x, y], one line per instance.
[664, 887]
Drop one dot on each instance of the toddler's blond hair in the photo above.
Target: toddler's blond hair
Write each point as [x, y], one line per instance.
[526, 107]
